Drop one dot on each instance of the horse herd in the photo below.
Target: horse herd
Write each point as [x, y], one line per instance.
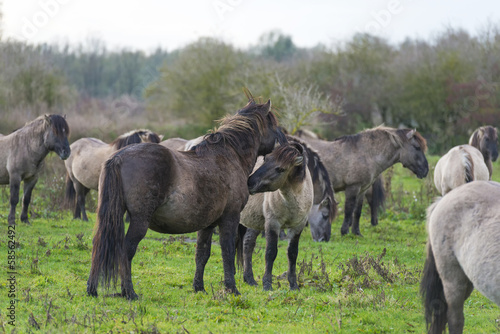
[180, 186]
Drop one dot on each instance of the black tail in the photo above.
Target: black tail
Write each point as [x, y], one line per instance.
[70, 194]
[239, 245]
[378, 193]
[468, 167]
[431, 289]
[108, 245]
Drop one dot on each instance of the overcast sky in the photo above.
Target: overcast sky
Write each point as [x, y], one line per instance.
[147, 24]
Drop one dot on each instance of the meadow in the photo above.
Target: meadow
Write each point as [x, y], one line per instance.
[351, 284]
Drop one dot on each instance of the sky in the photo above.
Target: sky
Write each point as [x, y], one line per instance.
[148, 24]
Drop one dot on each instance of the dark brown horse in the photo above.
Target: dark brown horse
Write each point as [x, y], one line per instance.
[22, 154]
[354, 162]
[485, 139]
[174, 192]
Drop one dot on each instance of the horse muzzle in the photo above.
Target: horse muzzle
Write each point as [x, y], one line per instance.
[64, 154]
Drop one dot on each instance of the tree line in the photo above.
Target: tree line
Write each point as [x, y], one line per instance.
[445, 87]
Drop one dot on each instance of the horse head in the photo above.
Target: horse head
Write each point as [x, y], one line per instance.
[267, 126]
[56, 136]
[320, 221]
[488, 144]
[412, 156]
[286, 163]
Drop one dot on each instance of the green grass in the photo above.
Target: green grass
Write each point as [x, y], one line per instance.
[350, 285]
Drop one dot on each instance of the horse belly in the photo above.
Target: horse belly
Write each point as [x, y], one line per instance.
[177, 217]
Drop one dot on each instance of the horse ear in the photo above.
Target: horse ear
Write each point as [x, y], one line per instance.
[48, 119]
[298, 160]
[410, 134]
[161, 137]
[64, 116]
[267, 106]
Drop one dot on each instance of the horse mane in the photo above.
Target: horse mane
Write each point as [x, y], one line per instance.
[397, 136]
[41, 123]
[234, 129]
[135, 137]
[317, 169]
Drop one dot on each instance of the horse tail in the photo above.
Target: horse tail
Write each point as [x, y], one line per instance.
[70, 193]
[431, 289]
[378, 193]
[108, 244]
[239, 245]
[468, 165]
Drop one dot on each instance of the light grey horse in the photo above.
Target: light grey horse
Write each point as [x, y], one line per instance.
[84, 166]
[460, 165]
[463, 253]
[282, 192]
[354, 162]
[22, 155]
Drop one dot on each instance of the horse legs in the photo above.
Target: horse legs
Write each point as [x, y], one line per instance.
[203, 247]
[29, 184]
[351, 198]
[456, 291]
[136, 232]
[15, 184]
[228, 229]
[81, 192]
[248, 247]
[357, 214]
[272, 231]
[293, 251]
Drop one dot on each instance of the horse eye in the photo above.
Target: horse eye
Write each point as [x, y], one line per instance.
[280, 170]
[417, 148]
[325, 216]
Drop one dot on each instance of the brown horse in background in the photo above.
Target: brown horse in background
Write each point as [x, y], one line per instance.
[354, 162]
[463, 253]
[375, 195]
[175, 192]
[485, 139]
[22, 155]
[84, 165]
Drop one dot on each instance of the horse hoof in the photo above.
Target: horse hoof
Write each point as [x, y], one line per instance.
[344, 231]
[252, 283]
[130, 295]
[92, 293]
[374, 223]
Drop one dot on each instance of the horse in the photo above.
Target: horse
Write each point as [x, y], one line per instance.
[22, 155]
[463, 253]
[462, 164]
[355, 161]
[170, 191]
[324, 208]
[84, 165]
[485, 139]
[375, 195]
[282, 197]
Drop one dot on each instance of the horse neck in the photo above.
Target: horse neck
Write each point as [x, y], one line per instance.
[293, 188]
[31, 137]
[488, 163]
[388, 155]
